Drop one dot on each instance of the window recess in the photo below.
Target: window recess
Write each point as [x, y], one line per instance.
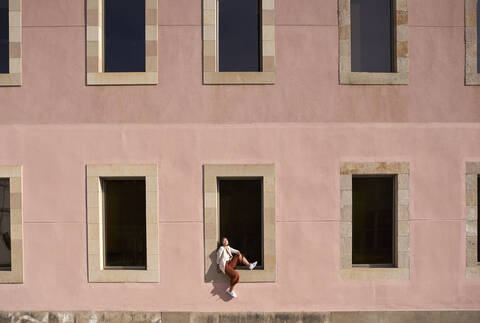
[375, 227]
[11, 225]
[122, 42]
[373, 216]
[122, 207]
[373, 42]
[239, 203]
[238, 42]
[10, 43]
[472, 40]
[241, 215]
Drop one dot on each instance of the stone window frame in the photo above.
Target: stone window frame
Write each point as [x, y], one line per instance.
[14, 76]
[472, 71]
[346, 76]
[15, 274]
[95, 46]
[211, 75]
[472, 172]
[211, 174]
[401, 269]
[96, 271]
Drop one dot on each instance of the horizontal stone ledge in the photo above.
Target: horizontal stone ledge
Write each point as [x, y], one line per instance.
[243, 317]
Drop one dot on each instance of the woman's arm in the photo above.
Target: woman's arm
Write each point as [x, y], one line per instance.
[234, 251]
[219, 254]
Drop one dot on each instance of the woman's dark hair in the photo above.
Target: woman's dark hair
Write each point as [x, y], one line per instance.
[219, 244]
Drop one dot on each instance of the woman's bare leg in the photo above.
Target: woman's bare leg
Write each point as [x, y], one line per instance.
[244, 260]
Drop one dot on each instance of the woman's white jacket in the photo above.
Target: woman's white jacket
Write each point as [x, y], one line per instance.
[225, 254]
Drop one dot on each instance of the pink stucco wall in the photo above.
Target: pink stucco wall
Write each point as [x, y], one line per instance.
[307, 160]
[306, 90]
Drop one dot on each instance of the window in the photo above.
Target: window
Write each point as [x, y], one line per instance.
[5, 232]
[239, 36]
[374, 203]
[122, 42]
[125, 223]
[372, 28]
[472, 242]
[124, 36]
[373, 41]
[239, 42]
[122, 223]
[4, 31]
[241, 215]
[372, 220]
[11, 225]
[472, 39]
[10, 43]
[239, 203]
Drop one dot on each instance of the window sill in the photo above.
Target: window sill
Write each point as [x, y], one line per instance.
[363, 78]
[473, 272]
[128, 78]
[11, 277]
[375, 273]
[239, 78]
[472, 79]
[124, 276]
[11, 79]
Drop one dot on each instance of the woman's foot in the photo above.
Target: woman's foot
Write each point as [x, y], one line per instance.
[231, 293]
[252, 265]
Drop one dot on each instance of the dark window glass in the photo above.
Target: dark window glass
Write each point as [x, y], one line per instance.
[4, 28]
[239, 35]
[373, 214]
[124, 36]
[241, 213]
[372, 30]
[125, 223]
[5, 246]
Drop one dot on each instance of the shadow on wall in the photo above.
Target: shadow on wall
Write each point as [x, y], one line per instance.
[220, 282]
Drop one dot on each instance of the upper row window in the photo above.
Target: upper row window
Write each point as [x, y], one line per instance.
[10, 43]
[239, 35]
[472, 40]
[4, 47]
[373, 41]
[373, 33]
[122, 42]
[124, 36]
[238, 42]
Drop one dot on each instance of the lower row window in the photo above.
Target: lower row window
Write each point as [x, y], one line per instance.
[373, 220]
[5, 240]
[125, 223]
[122, 223]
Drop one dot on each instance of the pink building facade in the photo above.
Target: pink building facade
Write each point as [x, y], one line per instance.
[306, 124]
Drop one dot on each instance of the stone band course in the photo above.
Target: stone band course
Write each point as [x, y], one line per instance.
[241, 317]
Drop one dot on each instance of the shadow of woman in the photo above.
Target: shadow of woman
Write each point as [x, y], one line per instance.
[220, 281]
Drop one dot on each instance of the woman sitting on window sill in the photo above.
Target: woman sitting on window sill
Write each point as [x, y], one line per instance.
[227, 259]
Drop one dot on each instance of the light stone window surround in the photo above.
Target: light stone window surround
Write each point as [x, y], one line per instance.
[400, 77]
[95, 45]
[471, 218]
[472, 72]
[211, 75]
[14, 77]
[96, 271]
[15, 274]
[401, 271]
[211, 174]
